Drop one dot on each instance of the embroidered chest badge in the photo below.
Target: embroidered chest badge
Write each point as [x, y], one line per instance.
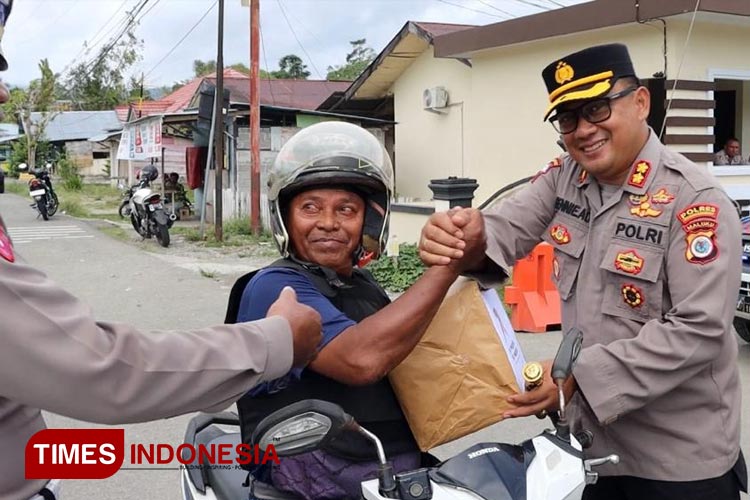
[662, 197]
[632, 296]
[642, 206]
[640, 174]
[629, 262]
[6, 247]
[560, 234]
[699, 223]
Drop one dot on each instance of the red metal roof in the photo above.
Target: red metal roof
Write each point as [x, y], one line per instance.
[300, 94]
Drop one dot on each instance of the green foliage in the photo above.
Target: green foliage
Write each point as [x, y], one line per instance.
[356, 61]
[72, 207]
[20, 151]
[236, 233]
[203, 68]
[291, 67]
[16, 187]
[398, 274]
[39, 97]
[101, 84]
[68, 171]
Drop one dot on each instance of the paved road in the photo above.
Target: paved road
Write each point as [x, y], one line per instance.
[122, 282]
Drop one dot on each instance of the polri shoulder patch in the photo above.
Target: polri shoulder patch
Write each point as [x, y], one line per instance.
[699, 222]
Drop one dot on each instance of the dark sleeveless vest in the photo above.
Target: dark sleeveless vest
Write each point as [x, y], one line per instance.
[374, 406]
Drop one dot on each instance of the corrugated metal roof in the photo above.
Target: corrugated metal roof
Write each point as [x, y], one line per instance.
[78, 125]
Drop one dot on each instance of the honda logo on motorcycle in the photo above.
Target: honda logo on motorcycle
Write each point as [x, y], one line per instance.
[74, 453]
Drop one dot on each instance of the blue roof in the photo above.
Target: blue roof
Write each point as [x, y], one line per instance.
[78, 125]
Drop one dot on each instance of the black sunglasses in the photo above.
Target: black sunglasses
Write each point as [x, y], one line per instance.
[595, 111]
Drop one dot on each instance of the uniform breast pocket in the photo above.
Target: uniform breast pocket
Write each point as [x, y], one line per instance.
[633, 280]
[568, 240]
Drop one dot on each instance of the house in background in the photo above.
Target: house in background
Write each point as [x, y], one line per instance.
[425, 96]
[69, 131]
[471, 103]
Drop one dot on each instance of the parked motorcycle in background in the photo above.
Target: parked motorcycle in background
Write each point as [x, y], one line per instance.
[127, 194]
[147, 212]
[40, 188]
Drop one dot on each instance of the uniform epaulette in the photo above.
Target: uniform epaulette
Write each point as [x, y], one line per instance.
[698, 177]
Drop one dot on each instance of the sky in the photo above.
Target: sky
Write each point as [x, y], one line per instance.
[318, 31]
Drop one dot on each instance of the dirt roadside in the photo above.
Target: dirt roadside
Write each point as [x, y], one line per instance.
[221, 263]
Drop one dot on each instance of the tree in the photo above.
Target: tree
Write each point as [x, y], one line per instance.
[39, 97]
[101, 84]
[356, 61]
[203, 68]
[291, 67]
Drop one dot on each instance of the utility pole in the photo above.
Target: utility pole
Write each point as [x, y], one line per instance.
[219, 128]
[254, 118]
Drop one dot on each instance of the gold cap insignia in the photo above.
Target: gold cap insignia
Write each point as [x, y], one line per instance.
[564, 73]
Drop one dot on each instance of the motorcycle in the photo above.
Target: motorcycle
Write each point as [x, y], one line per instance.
[127, 192]
[147, 214]
[549, 466]
[40, 188]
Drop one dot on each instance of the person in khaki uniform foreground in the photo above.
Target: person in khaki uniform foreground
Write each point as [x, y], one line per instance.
[647, 264]
[54, 355]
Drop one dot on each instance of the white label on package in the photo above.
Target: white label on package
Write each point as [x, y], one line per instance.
[506, 333]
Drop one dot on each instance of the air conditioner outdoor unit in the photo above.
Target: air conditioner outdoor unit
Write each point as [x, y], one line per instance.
[435, 98]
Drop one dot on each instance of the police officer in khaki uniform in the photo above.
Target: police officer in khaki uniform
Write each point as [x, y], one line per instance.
[647, 264]
[55, 355]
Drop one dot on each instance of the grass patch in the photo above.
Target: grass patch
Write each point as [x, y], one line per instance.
[16, 187]
[236, 233]
[72, 208]
[91, 200]
[116, 232]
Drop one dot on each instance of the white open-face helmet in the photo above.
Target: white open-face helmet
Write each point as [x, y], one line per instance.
[333, 155]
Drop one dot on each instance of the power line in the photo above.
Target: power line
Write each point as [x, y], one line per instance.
[265, 63]
[469, 8]
[131, 22]
[183, 38]
[496, 8]
[283, 11]
[87, 48]
[534, 4]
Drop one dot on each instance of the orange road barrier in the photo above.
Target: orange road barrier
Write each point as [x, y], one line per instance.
[533, 298]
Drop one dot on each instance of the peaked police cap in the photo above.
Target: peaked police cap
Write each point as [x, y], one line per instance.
[586, 74]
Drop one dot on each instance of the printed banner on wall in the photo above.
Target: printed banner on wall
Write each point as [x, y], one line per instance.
[141, 140]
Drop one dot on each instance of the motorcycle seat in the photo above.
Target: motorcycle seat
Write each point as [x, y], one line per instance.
[227, 483]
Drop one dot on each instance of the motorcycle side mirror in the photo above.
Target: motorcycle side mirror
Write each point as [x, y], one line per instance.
[567, 353]
[301, 427]
[562, 368]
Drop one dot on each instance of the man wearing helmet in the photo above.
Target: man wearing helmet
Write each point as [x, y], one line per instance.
[113, 372]
[329, 199]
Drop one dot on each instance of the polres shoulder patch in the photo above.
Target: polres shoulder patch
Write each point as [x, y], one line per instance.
[556, 163]
[6, 247]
